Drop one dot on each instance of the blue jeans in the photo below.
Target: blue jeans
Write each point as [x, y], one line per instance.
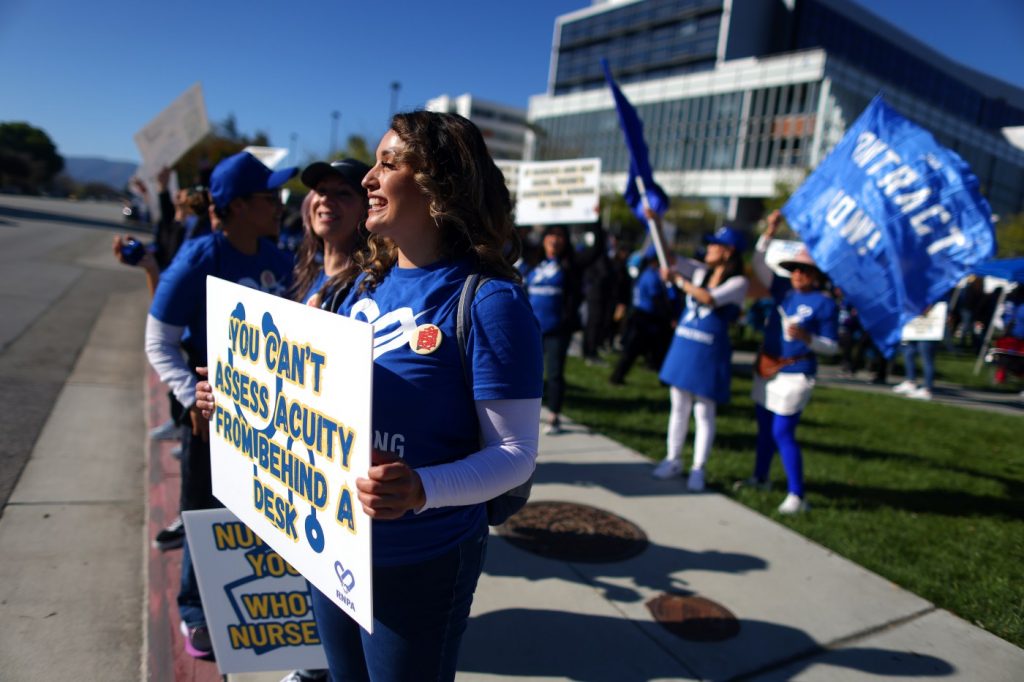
[775, 431]
[926, 349]
[419, 614]
[196, 493]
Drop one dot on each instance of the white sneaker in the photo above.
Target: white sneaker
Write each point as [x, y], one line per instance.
[793, 505]
[669, 468]
[166, 431]
[553, 430]
[904, 387]
[920, 394]
[695, 482]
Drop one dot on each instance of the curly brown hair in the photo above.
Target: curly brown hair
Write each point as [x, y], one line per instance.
[468, 199]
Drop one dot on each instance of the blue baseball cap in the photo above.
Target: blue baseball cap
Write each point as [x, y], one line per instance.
[727, 236]
[243, 174]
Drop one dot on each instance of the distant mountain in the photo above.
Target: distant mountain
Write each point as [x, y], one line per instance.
[91, 169]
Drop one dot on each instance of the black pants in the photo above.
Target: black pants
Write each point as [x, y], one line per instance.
[556, 347]
[646, 334]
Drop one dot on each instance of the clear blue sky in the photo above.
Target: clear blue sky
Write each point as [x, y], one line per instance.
[92, 73]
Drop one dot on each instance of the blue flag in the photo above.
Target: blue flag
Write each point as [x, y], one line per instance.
[639, 163]
[894, 218]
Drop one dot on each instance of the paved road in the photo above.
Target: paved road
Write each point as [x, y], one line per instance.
[71, 418]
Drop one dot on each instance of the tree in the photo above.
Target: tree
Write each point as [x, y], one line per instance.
[224, 140]
[1010, 236]
[28, 157]
[356, 148]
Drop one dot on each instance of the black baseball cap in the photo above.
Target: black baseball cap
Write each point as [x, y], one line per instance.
[351, 171]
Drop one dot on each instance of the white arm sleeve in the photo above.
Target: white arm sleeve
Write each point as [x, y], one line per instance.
[732, 290]
[163, 348]
[823, 345]
[761, 269]
[509, 430]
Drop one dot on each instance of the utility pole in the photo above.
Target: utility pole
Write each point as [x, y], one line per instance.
[395, 87]
[335, 115]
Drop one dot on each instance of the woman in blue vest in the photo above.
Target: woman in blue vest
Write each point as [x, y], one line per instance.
[803, 324]
[698, 367]
[555, 290]
[438, 211]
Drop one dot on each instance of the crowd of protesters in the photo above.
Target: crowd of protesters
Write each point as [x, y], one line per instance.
[367, 239]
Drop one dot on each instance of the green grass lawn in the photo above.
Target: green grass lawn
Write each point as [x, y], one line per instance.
[929, 496]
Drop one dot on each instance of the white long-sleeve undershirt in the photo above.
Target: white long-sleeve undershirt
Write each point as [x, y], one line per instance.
[163, 348]
[509, 431]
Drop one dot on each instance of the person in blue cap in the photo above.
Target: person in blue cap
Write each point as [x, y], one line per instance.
[649, 326]
[247, 201]
[698, 367]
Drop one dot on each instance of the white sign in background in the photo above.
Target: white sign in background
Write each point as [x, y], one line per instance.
[928, 327]
[174, 130]
[268, 156]
[553, 192]
[291, 433]
[257, 606]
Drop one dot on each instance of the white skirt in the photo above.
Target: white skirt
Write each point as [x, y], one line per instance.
[784, 394]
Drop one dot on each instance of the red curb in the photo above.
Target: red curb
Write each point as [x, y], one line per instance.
[167, 660]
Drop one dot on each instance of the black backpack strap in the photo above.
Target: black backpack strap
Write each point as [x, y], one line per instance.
[464, 318]
[332, 302]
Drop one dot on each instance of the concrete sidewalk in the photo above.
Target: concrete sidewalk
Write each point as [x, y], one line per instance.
[804, 612]
[74, 602]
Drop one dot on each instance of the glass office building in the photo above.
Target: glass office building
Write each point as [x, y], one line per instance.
[738, 95]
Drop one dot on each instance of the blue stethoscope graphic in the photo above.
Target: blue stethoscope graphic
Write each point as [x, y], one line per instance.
[314, 531]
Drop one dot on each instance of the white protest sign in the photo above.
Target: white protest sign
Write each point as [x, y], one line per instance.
[257, 606]
[174, 131]
[928, 327]
[552, 192]
[268, 156]
[291, 433]
[510, 169]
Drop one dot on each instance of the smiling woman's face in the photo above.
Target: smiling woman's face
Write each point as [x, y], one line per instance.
[397, 205]
[336, 209]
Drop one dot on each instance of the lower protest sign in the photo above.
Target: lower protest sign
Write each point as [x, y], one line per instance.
[257, 606]
[291, 432]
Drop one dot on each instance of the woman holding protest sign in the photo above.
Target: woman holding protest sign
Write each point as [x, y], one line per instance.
[438, 212]
[698, 366]
[325, 265]
[804, 323]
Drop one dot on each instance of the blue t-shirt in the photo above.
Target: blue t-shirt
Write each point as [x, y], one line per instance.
[651, 295]
[546, 287]
[180, 297]
[314, 287]
[813, 311]
[423, 408]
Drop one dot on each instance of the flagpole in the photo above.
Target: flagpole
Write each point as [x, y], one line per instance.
[652, 225]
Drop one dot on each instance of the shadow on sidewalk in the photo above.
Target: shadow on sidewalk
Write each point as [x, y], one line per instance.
[538, 643]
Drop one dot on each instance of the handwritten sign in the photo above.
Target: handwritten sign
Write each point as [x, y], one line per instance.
[174, 131]
[928, 327]
[291, 432]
